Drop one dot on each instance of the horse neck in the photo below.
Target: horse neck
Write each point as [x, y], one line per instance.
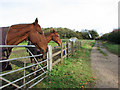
[14, 38]
[49, 37]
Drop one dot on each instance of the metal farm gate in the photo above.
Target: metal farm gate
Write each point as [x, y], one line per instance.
[23, 75]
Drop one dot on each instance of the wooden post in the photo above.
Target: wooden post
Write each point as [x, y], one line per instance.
[76, 47]
[67, 45]
[80, 44]
[65, 49]
[49, 58]
[72, 48]
[62, 52]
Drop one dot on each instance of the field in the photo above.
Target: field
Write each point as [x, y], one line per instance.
[73, 72]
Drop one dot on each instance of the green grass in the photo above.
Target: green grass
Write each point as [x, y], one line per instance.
[21, 48]
[74, 72]
[113, 48]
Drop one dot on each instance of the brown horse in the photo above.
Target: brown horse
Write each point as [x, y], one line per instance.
[18, 33]
[49, 36]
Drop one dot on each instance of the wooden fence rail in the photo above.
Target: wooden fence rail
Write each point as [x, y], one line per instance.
[66, 51]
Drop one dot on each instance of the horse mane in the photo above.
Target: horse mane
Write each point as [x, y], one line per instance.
[20, 26]
[48, 33]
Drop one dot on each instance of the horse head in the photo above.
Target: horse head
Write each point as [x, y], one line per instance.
[32, 32]
[37, 37]
[56, 38]
[37, 26]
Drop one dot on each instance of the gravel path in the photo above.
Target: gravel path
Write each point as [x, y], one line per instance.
[105, 68]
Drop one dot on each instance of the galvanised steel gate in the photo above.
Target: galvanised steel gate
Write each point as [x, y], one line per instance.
[22, 75]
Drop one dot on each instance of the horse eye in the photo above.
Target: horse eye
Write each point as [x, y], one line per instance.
[40, 32]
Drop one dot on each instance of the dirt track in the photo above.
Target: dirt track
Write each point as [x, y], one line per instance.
[105, 68]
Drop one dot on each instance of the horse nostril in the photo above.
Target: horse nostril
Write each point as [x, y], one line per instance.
[43, 50]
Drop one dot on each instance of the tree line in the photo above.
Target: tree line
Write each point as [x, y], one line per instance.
[113, 36]
[66, 33]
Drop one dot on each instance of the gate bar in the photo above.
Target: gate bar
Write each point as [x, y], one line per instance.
[32, 79]
[8, 82]
[20, 79]
[35, 59]
[22, 68]
[20, 58]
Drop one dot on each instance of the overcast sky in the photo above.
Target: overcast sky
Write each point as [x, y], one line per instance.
[101, 15]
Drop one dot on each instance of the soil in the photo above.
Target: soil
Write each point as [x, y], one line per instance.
[104, 67]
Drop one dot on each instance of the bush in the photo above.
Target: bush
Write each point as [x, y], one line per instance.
[114, 36]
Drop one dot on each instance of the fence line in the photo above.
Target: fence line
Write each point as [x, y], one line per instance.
[66, 51]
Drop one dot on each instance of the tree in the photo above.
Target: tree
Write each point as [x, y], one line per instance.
[93, 33]
[85, 34]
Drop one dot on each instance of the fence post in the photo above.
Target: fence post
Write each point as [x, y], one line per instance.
[80, 44]
[49, 58]
[67, 45]
[24, 81]
[72, 48]
[75, 45]
[65, 50]
[62, 52]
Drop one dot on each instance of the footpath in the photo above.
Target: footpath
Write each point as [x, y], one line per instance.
[104, 66]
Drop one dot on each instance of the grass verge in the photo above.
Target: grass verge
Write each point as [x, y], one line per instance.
[113, 48]
[74, 72]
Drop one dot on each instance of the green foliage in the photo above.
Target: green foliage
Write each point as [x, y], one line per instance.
[105, 37]
[93, 33]
[66, 33]
[113, 36]
[85, 35]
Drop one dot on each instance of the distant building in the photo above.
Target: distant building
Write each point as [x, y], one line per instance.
[74, 39]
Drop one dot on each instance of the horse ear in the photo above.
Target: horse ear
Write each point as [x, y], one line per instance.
[36, 21]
